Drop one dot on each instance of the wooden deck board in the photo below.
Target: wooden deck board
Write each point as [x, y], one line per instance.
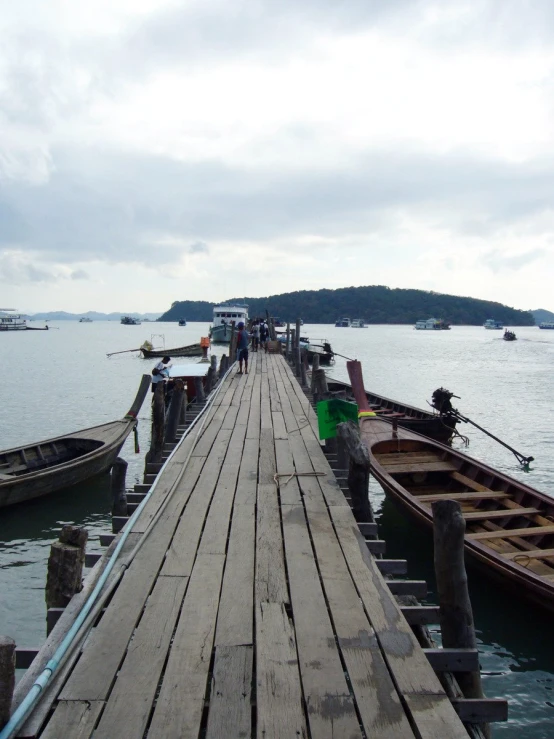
[73, 719]
[230, 710]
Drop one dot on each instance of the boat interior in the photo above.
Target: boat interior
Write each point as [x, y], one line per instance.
[41, 456]
[514, 522]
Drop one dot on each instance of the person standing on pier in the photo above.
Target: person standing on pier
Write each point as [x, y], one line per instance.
[255, 337]
[242, 348]
[160, 372]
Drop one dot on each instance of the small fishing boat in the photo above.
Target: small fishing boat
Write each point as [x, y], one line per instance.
[130, 321]
[509, 335]
[509, 525]
[434, 425]
[182, 321]
[493, 325]
[192, 350]
[35, 470]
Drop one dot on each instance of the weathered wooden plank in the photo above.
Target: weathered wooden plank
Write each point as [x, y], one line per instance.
[149, 647]
[454, 495]
[510, 533]
[178, 711]
[271, 581]
[330, 707]
[468, 482]
[407, 468]
[230, 713]
[288, 486]
[278, 690]
[375, 693]
[236, 609]
[405, 658]
[481, 710]
[453, 660]
[530, 553]
[502, 513]
[73, 720]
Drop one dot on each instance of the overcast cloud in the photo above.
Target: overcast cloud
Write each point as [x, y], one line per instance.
[161, 150]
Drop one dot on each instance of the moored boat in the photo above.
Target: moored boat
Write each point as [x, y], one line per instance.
[35, 470]
[192, 350]
[509, 525]
[358, 323]
[224, 316]
[432, 324]
[85, 319]
[493, 325]
[434, 425]
[130, 321]
[547, 324]
[343, 323]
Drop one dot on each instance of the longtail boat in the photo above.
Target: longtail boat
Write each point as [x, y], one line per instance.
[509, 525]
[434, 425]
[42, 468]
[192, 350]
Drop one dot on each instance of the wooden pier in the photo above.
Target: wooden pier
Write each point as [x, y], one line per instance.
[251, 606]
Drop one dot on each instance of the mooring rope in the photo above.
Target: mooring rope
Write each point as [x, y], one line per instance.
[290, 475]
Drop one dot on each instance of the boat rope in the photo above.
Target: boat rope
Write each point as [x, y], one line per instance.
[289, 475]
[441, 403]
[92, 607]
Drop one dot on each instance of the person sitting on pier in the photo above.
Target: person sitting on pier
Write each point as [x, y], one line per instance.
[242, 348]
[160, 372]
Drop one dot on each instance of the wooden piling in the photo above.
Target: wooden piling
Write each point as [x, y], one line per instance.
[65, 566]
[321, 390]
[199, 390]
[304, 368]
[292, 346]
[456, 615]
[174, 412]
[223, 365]
[315, 367]
[358, 470]
[297, 332]
[119, 497]
[287, 350]
[213, 364]
[155, 452]
[7, 677]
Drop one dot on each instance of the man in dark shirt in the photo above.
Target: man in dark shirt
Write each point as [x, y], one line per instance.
[242, 348]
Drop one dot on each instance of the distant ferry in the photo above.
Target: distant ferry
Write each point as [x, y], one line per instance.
[85, 319]
[224, 315]
[11, 321]
[358, 323]
[432, 324]
[343, 323]
[490, 323]
[546, 324]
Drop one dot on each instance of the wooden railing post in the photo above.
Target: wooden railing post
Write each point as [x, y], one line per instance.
[287, 350]
[456, 615]
[119, 498]
[174, 412]
[155, 452]
[292, 345]
[297, 333]
[358, 470]
[65, 566]
[199, 390]
[7, 677]
[315, 367]
[304, 368]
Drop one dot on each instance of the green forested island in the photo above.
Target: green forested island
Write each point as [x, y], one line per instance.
[374, 303]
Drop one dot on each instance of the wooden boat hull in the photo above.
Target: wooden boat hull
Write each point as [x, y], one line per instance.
[414, 471]
[415, 419]
[192, 350]
[35, 470]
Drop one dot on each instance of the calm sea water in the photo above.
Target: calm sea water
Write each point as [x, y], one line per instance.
[61, 380]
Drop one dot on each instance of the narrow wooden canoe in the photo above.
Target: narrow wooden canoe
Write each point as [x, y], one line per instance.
[192, 350]
[54, 464]
[509, 525]
[432, 425]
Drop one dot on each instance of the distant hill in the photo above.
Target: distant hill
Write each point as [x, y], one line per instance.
[93, 315]
[375, 304]
[542, 316]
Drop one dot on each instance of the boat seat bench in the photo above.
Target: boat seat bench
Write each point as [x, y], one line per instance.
[531, 553]
[508, 533]
[502, 513]
[461, 496]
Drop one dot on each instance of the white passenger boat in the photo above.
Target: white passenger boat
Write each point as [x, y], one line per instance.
[432, 324]
[358, 323]
[224, 315]
[547, 324]
[12, 321]
[493, 325]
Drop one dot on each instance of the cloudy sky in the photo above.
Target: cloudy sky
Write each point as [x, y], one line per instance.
[161, 150]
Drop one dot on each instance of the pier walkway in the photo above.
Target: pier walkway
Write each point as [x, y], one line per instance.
[251, 607]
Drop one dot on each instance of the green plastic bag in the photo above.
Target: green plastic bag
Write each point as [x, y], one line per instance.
[334, 411]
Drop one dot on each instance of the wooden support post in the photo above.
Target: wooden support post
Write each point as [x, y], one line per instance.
[456, 615]
[292, 346]
[315, 367]
[358, 470]
[119, 497]
[305, 366]
[297, 333]
[213, 366]
[199, 390]
[223, 365]
[174, 412]
[210, 379]
[65, 566]
[298, 362]
[7, 677]
[287, 350]
[154, 454]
